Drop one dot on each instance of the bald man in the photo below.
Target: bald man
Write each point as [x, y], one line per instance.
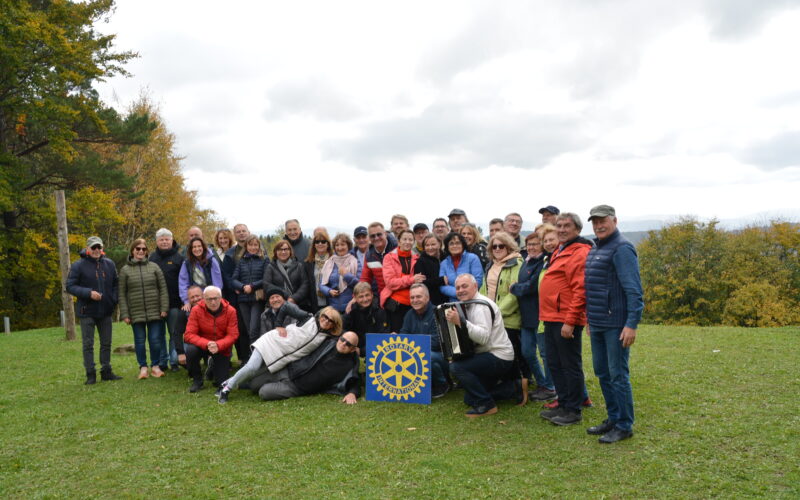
[332, 368]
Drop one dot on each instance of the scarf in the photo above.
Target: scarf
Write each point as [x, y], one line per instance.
[493, 275]
[346, 263]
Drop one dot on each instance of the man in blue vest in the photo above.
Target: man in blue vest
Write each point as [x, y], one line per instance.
[614, 307]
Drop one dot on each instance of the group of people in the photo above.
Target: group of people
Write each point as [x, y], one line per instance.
[298, 319]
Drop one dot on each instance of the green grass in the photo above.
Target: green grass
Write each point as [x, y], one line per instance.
[716, 416]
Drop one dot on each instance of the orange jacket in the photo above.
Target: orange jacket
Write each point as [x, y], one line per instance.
[396, 284]
[562, 297]
[203, 327]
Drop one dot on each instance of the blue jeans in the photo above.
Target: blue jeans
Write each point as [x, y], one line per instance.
[170, 354]
[541, 372]
[438, 369]
[610, 362]
[479, 376]
[154, 331]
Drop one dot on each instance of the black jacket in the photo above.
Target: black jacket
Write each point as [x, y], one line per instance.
[99, 275]
[296, 288]
[429, 266]
[170, 262]
[363, 321]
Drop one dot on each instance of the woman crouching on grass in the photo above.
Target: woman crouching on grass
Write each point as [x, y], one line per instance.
[279, 347]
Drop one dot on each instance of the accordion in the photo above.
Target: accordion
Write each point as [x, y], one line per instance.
[455, 340]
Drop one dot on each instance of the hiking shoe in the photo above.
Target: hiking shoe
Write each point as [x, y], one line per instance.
[614, 435]
[599, 430]
[550, 414]
[109, 375]
[196, 386]
[542, 394]
[481, 411]
[567, 418]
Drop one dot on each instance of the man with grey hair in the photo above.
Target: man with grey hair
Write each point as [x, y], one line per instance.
[93, 280]
[483, 375]
[614, 307]
[212, 330]
[562, 308]
[169, 260]
[457, 219]
[294, 235]
[420, 320]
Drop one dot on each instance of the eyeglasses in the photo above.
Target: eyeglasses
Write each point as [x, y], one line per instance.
[140, 249]
[97, 247]
[376, 235]
[284, 249]
[347, 342]
[498, 246]
[320, 242]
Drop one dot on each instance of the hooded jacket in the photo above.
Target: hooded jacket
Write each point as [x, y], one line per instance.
[170, 262]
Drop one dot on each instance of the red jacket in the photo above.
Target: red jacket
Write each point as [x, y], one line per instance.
[562, 297]
[394, 279]
[203, 327]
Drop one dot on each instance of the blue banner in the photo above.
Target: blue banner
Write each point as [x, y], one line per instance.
[398, 368]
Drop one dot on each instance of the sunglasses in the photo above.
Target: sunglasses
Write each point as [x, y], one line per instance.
[97, 247]
[347, 342]
[140, 249]
[320, 242]
[376, 235]
[326, 317]
[498, 247]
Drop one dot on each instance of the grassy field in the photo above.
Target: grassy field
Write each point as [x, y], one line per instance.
[716, 416]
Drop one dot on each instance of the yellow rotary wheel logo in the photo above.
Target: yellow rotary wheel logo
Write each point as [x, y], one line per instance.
[398, 368]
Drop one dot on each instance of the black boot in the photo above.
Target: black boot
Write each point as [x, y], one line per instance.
[91, 378]
[107, 374]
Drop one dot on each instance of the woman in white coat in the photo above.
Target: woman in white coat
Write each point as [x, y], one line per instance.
[279, 347]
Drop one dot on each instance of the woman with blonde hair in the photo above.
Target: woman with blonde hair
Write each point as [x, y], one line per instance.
[497, 282]
[279, 347]
[223, 239]
[475, 243]
[318, 254]
[248, 281]
[338, 277]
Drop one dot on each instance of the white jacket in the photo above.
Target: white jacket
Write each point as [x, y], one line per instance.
[300, 341]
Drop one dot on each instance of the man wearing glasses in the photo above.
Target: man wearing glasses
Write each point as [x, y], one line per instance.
[332, 368]
[211, 331]
[93, 280]
[380, 244]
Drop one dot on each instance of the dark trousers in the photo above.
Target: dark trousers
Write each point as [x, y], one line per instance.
[566, 365]
[396, 317]
[251, 314]
[221, 368]
[520, 368]
[243, 342]
[103, 326]
[479, 376]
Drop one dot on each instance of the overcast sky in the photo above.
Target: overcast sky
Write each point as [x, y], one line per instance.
[340, 113]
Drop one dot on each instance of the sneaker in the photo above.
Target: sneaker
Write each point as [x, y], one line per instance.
[552, 405]
[223, 395]
[551, 414]
[196, 386]
[481, 411]
[567, 418]
[439, 392]
[587, 403]
[614, 435]
[543, 394]
[156, 372]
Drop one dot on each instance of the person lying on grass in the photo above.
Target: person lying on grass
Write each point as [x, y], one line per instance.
[279, 347]
[332, 368]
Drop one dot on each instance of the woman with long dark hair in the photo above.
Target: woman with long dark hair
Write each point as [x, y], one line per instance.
[199, 268]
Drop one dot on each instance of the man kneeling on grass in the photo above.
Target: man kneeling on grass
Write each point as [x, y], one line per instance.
[332, 368]
[212, 330]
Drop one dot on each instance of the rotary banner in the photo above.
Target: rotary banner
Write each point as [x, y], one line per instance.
[398, 368]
